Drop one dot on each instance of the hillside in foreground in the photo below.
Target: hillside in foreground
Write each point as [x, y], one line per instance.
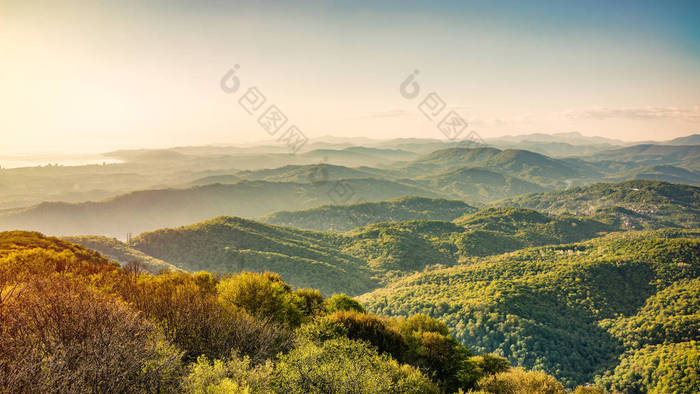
[72, 322]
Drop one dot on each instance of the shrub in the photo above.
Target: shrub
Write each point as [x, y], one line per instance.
[373, 330]
[341, 302]
[312, 302]
[230, 375]
[517, 380]
[346, 366]
[59, 336]
[263, 295]
[490, 364]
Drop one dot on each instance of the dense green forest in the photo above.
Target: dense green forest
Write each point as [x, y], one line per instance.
[362, 259]
[74, 322]
[655, 204]
[601, 308]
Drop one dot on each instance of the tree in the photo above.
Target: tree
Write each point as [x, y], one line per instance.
[264, 295]
[341, 302]
[373, 330]
[433, 349]
[345, 366]
[518, 380]
[490, 364]
[190, 314]
[60, 336]
[229, 375]
[313, 303]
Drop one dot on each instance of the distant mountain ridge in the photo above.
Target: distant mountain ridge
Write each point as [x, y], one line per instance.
[693, 139]
[152, 209]
[687, 156]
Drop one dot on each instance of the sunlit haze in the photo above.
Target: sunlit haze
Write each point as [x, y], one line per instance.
[98, 76]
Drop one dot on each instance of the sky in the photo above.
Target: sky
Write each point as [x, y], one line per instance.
[94, 76]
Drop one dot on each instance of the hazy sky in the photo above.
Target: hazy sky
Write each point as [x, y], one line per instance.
[101, 75]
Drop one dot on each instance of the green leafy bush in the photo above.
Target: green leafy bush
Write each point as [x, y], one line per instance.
[346, 366]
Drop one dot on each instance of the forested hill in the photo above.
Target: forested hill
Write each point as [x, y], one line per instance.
[523, 164]
[362, 259]
[228, 244]
[477, 184]
[651, 204]
[340, 218]
[577, 310]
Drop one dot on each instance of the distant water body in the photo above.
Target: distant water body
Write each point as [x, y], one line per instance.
[52, 160]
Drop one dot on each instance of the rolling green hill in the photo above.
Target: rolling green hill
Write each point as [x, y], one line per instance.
[73, 322]
[227, 244]
[534, 228]
[340, 218]
[664, 203]
[362, 259]
[357, 156]
[528, 164]
[16, 241]
[543, 307]
[207, 180]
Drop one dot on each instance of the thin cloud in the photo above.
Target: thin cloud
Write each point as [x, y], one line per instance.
[640, 113]
[392, 113]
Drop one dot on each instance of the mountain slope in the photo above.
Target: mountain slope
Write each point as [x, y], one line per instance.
[359, 260]
[541, 307]
[477, 184]
[662, 202]
[662, 341]
[687, 156]
[226, 244]
[151, 209]
[693, 139]
[514, 162]
[664, 173]
[342, 218]
[305, 173]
